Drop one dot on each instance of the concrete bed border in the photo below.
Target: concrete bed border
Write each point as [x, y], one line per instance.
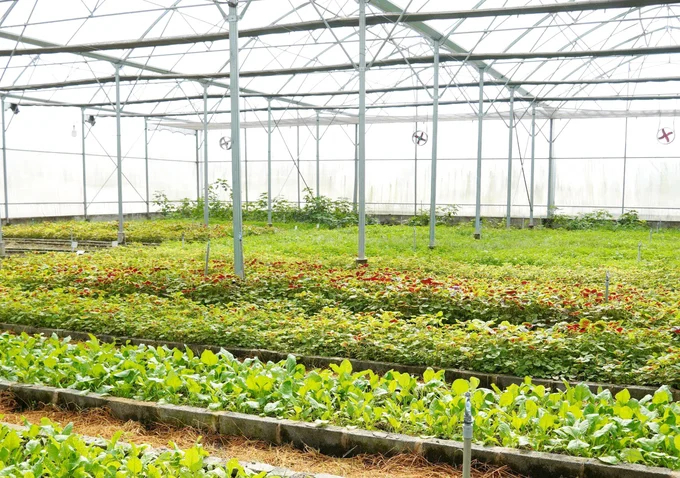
[314, 361]
[331, 440]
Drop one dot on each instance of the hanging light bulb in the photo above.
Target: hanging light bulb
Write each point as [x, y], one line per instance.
[74, 133]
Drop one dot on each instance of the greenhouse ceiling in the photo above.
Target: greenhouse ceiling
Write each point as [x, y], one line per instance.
[616, 57]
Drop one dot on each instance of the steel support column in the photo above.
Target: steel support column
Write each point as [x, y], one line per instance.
[206, 185]
[625, 166]
[551, 174]
[511, 127]
[415, 174]
[198, 168]
[82, 124]
[146, 165]
[355, 190]
[245, 159]
[269, 162]
[297, 153]
[4, 175]
[234, 93]
[119, 162]
[318, 154]
[478, 198]
[533, 165]
[435, 138]
[361, 256]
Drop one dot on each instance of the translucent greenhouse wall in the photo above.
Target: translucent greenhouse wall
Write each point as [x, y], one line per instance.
[45, 178]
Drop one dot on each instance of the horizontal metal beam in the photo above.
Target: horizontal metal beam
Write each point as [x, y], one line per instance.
[511, 84]
[338, 23]
[420, 104]
[424, 118]
[418, 60]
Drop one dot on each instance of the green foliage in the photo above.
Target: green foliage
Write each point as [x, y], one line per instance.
[446, 216]
[600, 219]
[575, 421]
[135, 231]
[332, 213]
[631, 220]
[194, 209]
[50, 450]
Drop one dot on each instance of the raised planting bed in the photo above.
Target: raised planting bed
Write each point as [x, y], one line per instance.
[316, 361]
[634, 354]
[51, 450]
[283, 402]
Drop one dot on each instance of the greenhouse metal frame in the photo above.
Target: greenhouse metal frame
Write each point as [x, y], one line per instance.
[556, 54]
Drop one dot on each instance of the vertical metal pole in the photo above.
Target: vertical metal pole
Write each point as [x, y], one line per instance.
[435, 136]
[245, 158]
[198, 168]
[318, 154]
[4, 175]
[235, 139]
[356, 168]
[478, 202]
[511, 126]
[551, 174]
[533, 165]
[82, 121]
[146, 163]
[361, 256]
[468, 434]
[269, 161]
[121, 232]
[415, 175]
[625, 165]
[298, 163]
[206, 185]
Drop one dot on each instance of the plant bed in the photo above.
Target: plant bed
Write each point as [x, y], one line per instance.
[51, 450]
[597, 352]
[334, 440]
[316, 361]
[575, 421]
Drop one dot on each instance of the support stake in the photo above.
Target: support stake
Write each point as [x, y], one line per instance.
[467, 437]
[606, 287]
[207, 258]
[639, 251]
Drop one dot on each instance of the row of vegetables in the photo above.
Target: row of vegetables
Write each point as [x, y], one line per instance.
[576, 421]
[545, 323]
[596, 351]
[48, 449]
[135, 231]
[536, 296]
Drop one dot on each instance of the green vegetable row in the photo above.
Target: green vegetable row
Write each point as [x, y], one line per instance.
[135, 231]
[598, 351]
[576, 421]
[49, 450]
